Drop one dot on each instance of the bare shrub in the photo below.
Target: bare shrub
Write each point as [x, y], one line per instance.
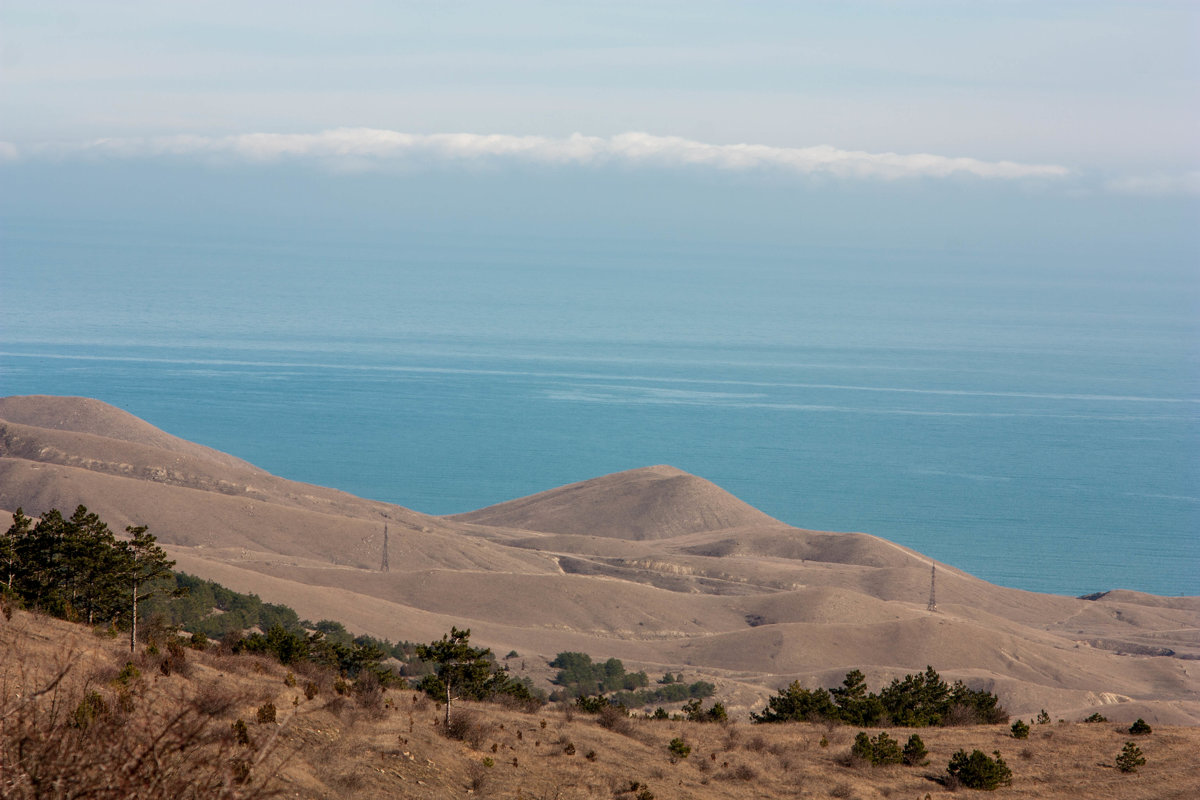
[226, 663]
[175, 662]
[150, 745]
[741, 772]
[466, 726]
[228, 642]
[477, 776]
[615, 719]
[91, 708]
[960, 715]
[369, 694]
[732, 735]
[779, 749]
[756, 744]
[211, 700]
[349, 781]
[319, 675]
[337, 706]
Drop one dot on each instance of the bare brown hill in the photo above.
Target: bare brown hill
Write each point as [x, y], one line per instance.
[648, 503]
[654, 566]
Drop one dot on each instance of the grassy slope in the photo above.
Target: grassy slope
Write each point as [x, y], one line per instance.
[331, 747]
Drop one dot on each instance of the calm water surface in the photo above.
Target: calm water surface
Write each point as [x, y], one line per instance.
[1035, 423]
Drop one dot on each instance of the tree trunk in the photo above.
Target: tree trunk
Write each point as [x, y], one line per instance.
[133, 621]
[447, 705]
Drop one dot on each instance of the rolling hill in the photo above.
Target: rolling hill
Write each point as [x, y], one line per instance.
[654, 566]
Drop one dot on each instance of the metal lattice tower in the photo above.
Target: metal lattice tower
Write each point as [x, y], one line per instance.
[383, 567]
[932, 584]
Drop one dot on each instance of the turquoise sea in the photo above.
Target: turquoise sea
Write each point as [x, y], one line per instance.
[1035, 422]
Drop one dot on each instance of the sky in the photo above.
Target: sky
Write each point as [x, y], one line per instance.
[936, 114]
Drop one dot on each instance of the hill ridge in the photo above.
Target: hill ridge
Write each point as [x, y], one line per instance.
[656, 502]
[653, 565]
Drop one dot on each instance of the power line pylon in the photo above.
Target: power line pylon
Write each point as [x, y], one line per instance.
[932, 584]
[383, 566]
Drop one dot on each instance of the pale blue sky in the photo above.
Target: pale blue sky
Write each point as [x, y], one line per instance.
[1109, 87]
[919, 124]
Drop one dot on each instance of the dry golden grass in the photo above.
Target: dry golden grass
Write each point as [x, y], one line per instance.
[393, 744]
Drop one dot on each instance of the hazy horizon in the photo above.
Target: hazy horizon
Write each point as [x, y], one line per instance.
[922, 260]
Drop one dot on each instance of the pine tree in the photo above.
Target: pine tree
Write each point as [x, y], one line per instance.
[856, 705]
[1130, 758]
[144, 563]
[9, 561]
[91, 560]
[38, 577]
[460, 667]
[797, 703]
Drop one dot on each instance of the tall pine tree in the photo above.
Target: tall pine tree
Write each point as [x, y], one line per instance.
[144, 563]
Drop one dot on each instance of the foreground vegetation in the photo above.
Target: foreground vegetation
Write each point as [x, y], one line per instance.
[79, 717]
[226, 696]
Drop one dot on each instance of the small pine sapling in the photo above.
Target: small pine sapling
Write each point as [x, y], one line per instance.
[679, 747]
[914, 751]
[1130, 758]
[266, 714]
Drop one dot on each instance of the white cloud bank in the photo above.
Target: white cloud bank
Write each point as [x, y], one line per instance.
[368, 148]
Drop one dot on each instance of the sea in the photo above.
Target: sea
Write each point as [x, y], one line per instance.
[1033, 421]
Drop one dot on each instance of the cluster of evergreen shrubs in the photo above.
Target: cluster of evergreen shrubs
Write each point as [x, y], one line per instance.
[198, 606]
[917, 700]
[579, 677]
[978, 770]
[974, 771]
[883, 749]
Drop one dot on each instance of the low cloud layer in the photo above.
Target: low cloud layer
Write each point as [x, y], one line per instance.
[368, 148]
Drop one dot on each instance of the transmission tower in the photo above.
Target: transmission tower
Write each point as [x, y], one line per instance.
[932, 583]
[383, 566]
